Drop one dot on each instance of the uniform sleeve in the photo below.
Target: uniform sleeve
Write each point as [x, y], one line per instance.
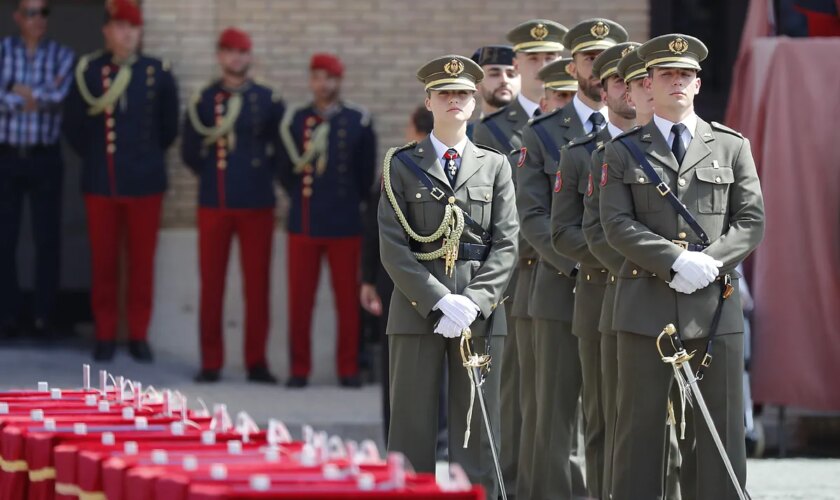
[624, 232]
[366, 159]
[410, 277]
[168, 109]
[567, 210]
[746, 213]
[75, 121]
[592, 228]
[491, 280]
[191, 145]
[533, 199]
[370, 240]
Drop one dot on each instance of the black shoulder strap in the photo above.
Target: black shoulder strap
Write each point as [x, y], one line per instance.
[547, 141]
[499, 135]
[590, 146]
[439, 195]
[664, 190]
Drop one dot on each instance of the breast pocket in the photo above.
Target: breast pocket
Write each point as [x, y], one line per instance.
[646, 198]
[480, 202]
[713, 188]
[424, 213]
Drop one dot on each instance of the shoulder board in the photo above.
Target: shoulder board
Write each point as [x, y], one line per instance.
[543, 116]
[498, 112]
[601, 146]
[488, 148]
[406, 146]
[577, 141]
[629, 132]
[365, 119]
[724, 128]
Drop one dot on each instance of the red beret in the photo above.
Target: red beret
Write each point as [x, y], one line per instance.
[125, 10]
[329, 63]
[235, 39]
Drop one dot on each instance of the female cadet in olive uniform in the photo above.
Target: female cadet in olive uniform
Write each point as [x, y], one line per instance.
[448, 237]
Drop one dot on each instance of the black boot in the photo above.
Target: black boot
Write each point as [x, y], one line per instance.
[261, 374]
[207, 376]
[353, 381]
[297, 382]
[140, 351]
[104, 350]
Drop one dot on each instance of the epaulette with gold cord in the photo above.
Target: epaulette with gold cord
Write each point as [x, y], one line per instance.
[451, 227]
[318, 143]
[118, 85]
[224, 127]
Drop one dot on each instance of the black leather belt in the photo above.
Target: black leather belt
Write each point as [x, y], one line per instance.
[466, 251]
[691, 247]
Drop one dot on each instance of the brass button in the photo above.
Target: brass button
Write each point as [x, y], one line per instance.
[717, 180]
[307, 180]
[641, 180]
[635, 272]
[603, 270]
[112, 135]
[487, 196]
[307, 192]
[221, 142]
[106, 82]
[150, 70]
[612, 279]
[220, 108]
[109, 123]
[588, 278]
[413, 303]
[530, 261]
[682, 182]
[451, 200]
[112, 148]
[222, 164]
[221, 153]
[106, 70]
[418, 196]
[682, 235]
[308, 169]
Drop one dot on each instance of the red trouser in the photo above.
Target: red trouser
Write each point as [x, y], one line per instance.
[305, 255]
[108, 218]
[253, 229]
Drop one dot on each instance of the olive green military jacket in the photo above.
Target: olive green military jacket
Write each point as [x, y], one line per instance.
[484, 190]
[717, 182]
[552, 289]
[510, 120]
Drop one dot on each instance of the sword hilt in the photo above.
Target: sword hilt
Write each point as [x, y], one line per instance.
[680, 355]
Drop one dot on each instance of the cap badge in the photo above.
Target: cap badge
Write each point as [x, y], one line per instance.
[678, 46]
[539, 32]
[454, 68]
[599, 30]
[627, 50]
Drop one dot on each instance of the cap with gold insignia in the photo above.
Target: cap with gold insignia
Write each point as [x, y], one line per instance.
[673, 51]
[594, 34]
[555, 76]
[450, 72]
[631, 67]
[497, 55]
[537, 35]
[606, 64]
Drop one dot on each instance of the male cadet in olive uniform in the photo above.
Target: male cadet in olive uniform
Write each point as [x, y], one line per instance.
[501, 82]
[574, 183]
[535, 44]
[463, 276]
[551, 298]
[229, 137]
[121, 116]
[673, 274]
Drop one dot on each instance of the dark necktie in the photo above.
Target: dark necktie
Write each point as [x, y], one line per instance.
[677, 147]
[537, 112]
[450, 166]
[597, 120]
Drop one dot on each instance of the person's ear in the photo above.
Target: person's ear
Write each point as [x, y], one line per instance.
[428, 103]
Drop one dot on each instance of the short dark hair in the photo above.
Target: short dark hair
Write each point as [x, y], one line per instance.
[423, 120]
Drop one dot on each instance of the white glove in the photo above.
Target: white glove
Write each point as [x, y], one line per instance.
[461, 310]
[697, 268]
[680, 284]
[448, 328]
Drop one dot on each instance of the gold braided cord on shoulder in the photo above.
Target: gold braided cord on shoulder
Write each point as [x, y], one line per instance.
[224, 127]
[318, 144]
[114, 92]
[451, 227]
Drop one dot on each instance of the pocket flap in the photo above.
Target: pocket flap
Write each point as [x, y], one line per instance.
[721, 175]
[480, 193]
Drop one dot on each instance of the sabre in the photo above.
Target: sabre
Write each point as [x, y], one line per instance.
[685, 376]
[474, 363]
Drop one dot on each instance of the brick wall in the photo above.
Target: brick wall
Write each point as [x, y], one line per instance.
[382, 43]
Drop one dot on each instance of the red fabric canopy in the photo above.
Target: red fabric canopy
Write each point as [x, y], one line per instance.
[785, 100]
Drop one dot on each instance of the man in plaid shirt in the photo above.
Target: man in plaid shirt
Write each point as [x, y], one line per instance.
[35, 75]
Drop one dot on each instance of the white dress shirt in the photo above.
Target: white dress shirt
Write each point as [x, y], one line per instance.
[584, 112]
[528, 105]
[441, 148]
[664, 127]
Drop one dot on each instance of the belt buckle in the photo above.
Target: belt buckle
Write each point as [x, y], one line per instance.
[663, 188]
[680, 243]
[707, 360]
[437, 193]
